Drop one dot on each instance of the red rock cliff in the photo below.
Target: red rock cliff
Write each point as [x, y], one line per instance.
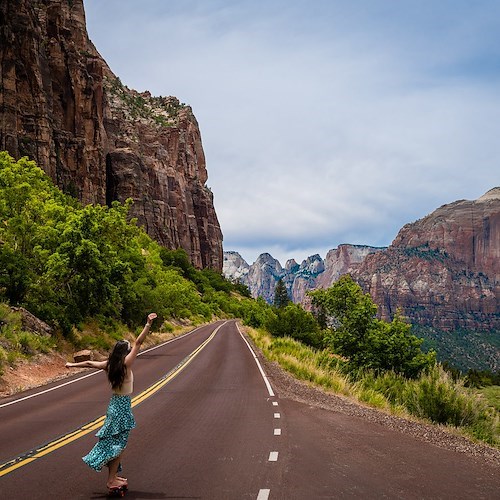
[442, 270]
[61, 105]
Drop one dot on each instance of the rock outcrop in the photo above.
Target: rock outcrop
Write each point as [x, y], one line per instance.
[262, 277]
[303, 278]
[343, 260]
[31, 323]
[443, 270]
[62, 106]
[235, 267]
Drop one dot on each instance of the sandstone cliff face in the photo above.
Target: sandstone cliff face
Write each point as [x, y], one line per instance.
[443, 270]
[61, 105]
[343, 260]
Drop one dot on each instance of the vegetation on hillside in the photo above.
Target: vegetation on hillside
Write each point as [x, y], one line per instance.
[467, 348]
[71, 264]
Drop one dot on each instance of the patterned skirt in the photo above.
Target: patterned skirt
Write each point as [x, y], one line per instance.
[113, 435]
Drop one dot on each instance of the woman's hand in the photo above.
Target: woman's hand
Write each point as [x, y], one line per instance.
[151, 318]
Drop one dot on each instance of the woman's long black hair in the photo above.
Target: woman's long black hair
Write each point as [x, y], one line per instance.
[116, 364]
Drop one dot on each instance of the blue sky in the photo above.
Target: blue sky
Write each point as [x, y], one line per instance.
[323, 122]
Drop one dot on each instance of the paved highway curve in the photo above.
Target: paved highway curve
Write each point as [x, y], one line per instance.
[210, 426]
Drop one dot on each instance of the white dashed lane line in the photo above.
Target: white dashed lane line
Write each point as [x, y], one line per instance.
[273, 455]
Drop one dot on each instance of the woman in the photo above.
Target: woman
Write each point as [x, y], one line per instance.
[113, 435]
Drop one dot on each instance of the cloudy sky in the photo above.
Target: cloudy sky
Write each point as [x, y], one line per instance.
[323, 121]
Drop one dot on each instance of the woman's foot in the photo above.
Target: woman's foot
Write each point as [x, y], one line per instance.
[115, 484]
[122, 479]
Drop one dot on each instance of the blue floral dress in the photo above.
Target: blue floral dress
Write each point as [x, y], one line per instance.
[113, 435]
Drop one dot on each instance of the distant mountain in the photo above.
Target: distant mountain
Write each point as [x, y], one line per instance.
[442, 272]
[314, 272]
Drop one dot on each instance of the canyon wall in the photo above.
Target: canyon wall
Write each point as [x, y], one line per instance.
[443, 270]
[62, 106]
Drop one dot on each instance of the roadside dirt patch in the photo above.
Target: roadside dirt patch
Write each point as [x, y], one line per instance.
[40, 370]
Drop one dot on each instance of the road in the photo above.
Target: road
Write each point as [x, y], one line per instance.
[212, 428]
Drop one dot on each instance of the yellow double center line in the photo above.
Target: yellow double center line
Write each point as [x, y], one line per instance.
[37, 453]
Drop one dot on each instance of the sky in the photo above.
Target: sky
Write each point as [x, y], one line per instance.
[323, 121]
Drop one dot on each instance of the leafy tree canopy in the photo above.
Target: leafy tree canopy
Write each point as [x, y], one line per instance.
[355, 332]
[66, 262]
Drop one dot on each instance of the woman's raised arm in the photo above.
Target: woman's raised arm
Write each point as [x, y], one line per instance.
[139, 340]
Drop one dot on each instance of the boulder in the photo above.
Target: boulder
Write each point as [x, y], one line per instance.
[85, 355]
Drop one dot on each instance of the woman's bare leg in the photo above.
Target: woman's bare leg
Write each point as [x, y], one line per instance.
[112, 470]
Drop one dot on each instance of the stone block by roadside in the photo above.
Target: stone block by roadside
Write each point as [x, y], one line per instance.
[85, 355]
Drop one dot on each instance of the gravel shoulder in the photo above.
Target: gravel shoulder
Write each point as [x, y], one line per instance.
[288, 387]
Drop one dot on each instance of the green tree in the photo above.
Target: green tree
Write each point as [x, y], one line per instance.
[14, 274]
[67, 263]
[281, 298]
[293, 321]
[356, 333]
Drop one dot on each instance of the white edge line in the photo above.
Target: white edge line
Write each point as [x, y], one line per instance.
[264, 376]
[94, 373]
[263, 494]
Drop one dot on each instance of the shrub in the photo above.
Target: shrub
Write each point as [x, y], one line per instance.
[293, 321]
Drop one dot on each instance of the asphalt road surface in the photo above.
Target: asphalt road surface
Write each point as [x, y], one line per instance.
[210, 426]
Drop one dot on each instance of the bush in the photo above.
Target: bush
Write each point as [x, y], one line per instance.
[435, 396]
[293, 321]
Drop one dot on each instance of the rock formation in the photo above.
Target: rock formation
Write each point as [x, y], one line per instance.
[62, 106]
[443, 270]
[343, 260]
[262, 277]
[235, 267]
